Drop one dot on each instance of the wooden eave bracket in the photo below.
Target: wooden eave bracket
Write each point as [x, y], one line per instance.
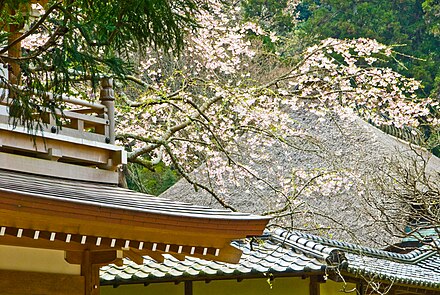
[138, 258]
[103, 257]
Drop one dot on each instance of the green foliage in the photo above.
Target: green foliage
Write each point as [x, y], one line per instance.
[154, 182]
[433, 142]
[432, 16]
[273, 15]
[81, 40]
[410, 23]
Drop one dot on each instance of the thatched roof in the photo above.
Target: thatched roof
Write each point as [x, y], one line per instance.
[350, 146]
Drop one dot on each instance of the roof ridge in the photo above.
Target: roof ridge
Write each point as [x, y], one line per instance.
[412, 257]
[332, 256]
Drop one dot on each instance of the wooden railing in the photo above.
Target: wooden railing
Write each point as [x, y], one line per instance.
[80, 118]
[78, 139]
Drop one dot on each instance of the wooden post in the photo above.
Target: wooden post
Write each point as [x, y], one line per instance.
[14, 52]
[90, 272]
[314, 287]
[188, 288]
[107, 97]
[360, 288]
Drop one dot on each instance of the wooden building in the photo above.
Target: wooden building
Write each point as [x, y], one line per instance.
[63, 216]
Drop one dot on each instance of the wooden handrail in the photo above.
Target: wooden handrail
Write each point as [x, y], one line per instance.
[65, 98]
[88, 117]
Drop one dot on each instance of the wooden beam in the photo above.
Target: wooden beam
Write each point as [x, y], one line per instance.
[74, 244]
[23, 282]
[135, 257]
[73, 151]
[106, 257]
[155, 255]
[77, 230]
[40, 243]
[28, 210]
[56, 169]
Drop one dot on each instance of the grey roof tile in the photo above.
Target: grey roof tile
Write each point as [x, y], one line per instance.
[142, 274]
[109, 196]
[284, 251]
[156, 273]
[107, 276]
[175, 273]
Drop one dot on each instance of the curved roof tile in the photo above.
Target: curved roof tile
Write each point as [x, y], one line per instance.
[283, 252]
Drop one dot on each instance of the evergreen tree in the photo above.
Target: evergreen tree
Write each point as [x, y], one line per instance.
[66, 42]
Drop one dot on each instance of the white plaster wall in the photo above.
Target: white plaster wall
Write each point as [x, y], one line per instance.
[280, 286]
[337, 288]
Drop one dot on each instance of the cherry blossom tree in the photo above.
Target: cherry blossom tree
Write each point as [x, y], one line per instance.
[225, 96]
[225, 100]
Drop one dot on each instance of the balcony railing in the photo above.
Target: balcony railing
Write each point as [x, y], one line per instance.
[84, 141]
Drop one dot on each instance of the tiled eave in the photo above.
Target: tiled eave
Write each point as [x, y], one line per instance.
[418, 268]
[264, 259]
[283, 253]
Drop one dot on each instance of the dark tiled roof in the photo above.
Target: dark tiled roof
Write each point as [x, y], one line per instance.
[413, 256]
[283, 252]
[420, 267]
[264, 256]
[104, 195]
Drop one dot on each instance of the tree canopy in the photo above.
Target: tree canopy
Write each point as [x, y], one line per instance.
[413, 25]
[225, 99]
[68, 42]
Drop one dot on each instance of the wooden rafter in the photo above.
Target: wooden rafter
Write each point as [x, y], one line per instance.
[75, 243]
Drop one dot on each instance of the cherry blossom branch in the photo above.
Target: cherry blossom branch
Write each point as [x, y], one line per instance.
[297, 194]
[173, 130]
[59, 32]
[194, 183]
[161, 99]
[277, 137]
[297, 66]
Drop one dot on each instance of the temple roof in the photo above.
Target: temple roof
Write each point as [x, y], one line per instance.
[109, 196]
[106, 216]
[284, 253]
